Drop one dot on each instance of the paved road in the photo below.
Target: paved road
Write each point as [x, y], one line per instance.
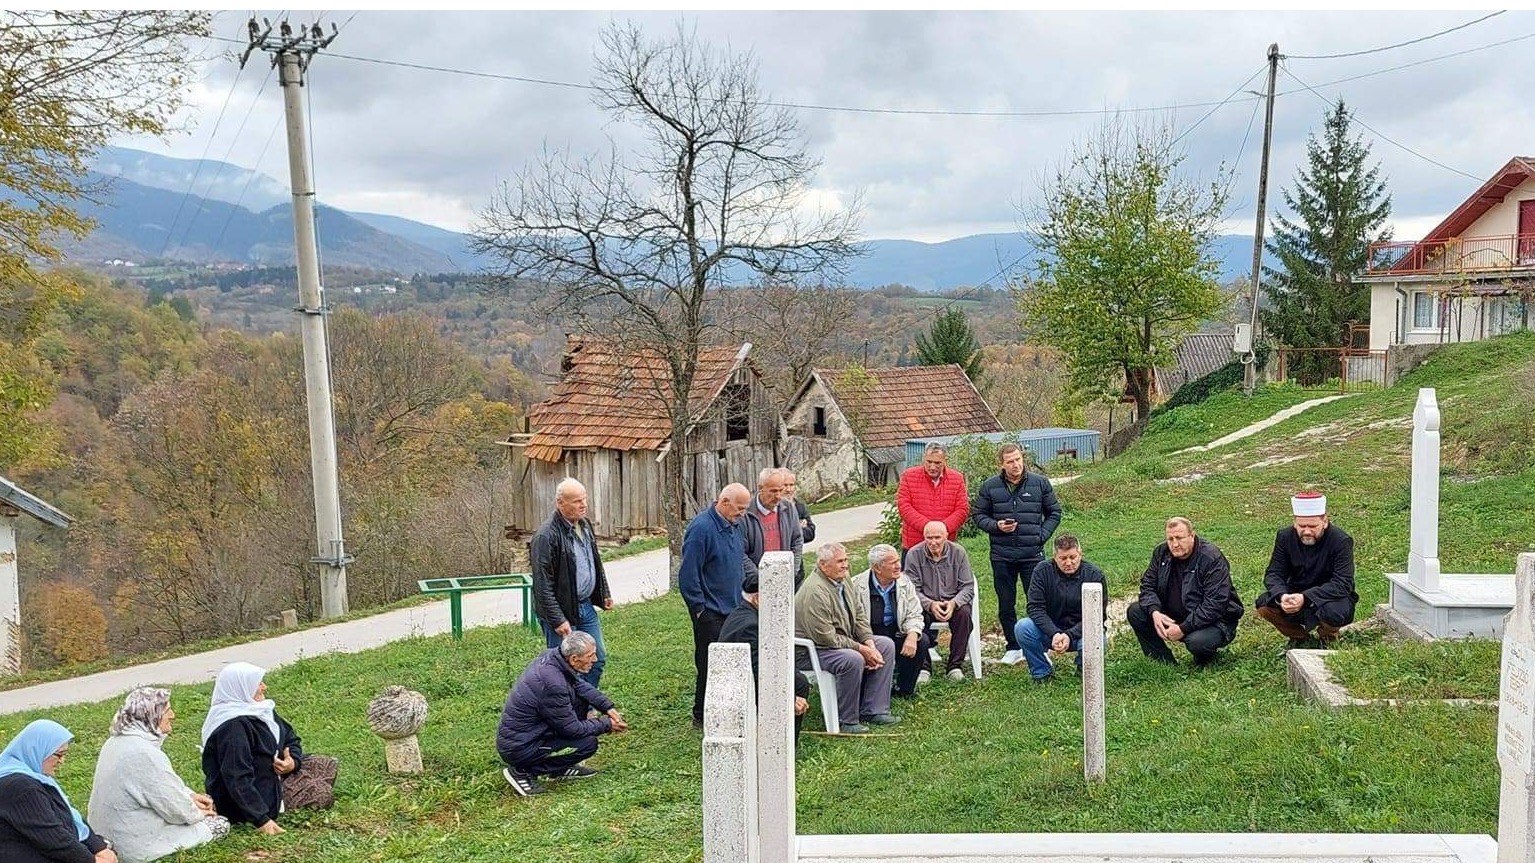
[632, 579]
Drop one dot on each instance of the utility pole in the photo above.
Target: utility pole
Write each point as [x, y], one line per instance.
[291, 54]
[1250, 359]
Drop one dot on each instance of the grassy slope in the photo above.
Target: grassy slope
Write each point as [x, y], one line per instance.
[1230, 749]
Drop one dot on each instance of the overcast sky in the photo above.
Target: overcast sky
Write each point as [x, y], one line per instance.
[431, 146]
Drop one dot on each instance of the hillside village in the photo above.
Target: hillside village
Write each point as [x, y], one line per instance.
[164, 469]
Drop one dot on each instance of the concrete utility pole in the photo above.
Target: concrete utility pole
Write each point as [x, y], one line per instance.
[291, 55]
[1249, 358]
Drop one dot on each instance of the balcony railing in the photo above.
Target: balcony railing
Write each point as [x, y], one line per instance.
[1453, 256]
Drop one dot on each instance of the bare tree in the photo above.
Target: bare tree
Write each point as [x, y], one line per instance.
[635, 245]
[797, 328]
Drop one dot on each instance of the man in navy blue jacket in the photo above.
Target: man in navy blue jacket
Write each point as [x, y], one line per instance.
[544, 727]
[713, 567]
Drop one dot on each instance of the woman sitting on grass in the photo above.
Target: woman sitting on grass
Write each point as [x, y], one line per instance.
[137, 796]
[253, 764]
[37, 822]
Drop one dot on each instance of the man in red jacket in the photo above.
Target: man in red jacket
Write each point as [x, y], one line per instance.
[931, 491]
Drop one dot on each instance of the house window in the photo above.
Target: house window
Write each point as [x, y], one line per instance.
[818, 429]
[738, 402]
[1425, 311]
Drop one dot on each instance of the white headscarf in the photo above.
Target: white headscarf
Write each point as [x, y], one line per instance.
[234, 695]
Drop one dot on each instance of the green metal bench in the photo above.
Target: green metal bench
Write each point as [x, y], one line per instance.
[455, 588]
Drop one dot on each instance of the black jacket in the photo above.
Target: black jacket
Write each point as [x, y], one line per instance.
[36, 827]
[1207, 590]
[552, 553]
[237, 768]
[741, 628]
[808, 528]
[1034, 506]
[1323, 572]
[1055, 599]
[549, 701]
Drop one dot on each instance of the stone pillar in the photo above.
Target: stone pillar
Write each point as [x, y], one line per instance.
[10, 598]
[730, 757]
[396, 714]
[775, 706]
[1094, 755]
[1516, 723]
[403, 754]
[1423, 556]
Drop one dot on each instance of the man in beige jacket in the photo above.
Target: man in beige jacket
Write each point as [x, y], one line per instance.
[895, 611]
[830, 613]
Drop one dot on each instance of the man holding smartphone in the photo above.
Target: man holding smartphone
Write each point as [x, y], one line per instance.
[1018, 510]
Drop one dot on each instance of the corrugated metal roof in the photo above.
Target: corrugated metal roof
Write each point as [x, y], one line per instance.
[902, 402]
[1198, 355]
[32, 505]
[612, 396]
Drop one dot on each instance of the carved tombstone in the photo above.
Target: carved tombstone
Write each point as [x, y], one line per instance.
[396, 715]
[1516, 722]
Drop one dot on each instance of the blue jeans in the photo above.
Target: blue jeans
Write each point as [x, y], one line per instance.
[1032, 642]
[589, 625]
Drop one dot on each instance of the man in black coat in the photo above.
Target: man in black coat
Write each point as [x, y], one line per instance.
[1309, 583]
[741, 628]
[1054, 621]
[544, 728]
[1187, 596]
[1019, 511]
[569, 584]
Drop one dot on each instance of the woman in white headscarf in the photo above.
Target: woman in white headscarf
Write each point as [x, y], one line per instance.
[137, 796]
[254, 765]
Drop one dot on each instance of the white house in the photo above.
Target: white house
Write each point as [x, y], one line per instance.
[1471, 278]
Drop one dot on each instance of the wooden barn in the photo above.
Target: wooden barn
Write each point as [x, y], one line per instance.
[606, 424]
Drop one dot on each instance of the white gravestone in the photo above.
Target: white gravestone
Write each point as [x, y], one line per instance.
[1093, 746]
[730, 757]
[1423, 555]
[775, 706]
[1516, 722]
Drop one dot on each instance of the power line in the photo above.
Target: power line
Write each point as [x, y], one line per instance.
[1355, 117]
[187, 193]
[255, 171]
[1220, 105]
[1396, 45]
[1422, 62]
[228, 151]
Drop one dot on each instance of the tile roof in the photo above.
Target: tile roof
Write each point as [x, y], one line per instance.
[1198, 355]
[909, 402]
[611, 396]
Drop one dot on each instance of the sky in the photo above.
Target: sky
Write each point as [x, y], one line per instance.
[432, 146]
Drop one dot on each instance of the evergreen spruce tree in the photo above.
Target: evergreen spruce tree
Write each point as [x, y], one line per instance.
[1340, 205]
[951, 341]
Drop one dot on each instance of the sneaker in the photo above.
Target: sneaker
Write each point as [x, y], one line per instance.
[522, 783]
[924, 676]
[881, 719]
[580, 771]
[854, 728]
[955, 674]
[1012, 657]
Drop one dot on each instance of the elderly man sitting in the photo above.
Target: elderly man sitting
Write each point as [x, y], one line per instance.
[940, 570]
[896, 613]
[544, 730]
[836, 620]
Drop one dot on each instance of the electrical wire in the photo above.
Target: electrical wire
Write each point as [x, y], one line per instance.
[1396, 45]
[228, 151]
[255, 171]
[187, 193]
[1425, 61]
[1220, 105]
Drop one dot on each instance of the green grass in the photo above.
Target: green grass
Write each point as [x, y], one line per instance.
[1412, 670]
[1229, 749]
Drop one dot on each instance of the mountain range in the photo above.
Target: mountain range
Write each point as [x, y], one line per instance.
[144, 212]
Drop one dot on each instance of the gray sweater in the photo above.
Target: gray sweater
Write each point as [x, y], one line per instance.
[140, 804]
[941, 580]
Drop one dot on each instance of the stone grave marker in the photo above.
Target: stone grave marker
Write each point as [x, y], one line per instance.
[1516, 722]
[1093, 743]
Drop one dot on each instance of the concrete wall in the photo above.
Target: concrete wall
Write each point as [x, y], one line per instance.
[822, 462]
[1460, 319]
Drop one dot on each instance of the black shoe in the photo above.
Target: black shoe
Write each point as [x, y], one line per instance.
[698, 723]
[1200, 664]
[580, 771]
[880, 719]
[523, 783]
[1048, 678]
[1325, 643]
[1296, 644]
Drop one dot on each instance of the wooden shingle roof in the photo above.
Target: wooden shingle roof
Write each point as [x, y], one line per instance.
[613, 396]
[902, 402]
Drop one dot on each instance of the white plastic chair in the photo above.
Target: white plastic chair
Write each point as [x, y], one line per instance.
[826, 682]
[975, 634]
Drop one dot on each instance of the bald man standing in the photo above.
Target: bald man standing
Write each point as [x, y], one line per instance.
[568, 582]
[713, 567]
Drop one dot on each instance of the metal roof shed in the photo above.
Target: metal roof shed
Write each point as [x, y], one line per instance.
[14, 501]
[1043, 445]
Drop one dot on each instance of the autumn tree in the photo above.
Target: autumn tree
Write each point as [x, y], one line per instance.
[950, 340]
[1340, 206]
[1126, 267]
[635, 245]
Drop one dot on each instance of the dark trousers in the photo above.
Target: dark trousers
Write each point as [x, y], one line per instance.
[906, 667]
[960, 623]
[1326, 618]
[706, 631]
[552, 756]
[1005, 576]
[1202, 643]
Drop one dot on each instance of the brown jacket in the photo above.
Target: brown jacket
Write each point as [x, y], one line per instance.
[819, 614]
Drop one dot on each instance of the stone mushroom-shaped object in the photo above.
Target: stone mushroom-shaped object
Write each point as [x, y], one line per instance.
[396, 715]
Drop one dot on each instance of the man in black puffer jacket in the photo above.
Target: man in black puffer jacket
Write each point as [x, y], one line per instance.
[1019, 511]
[545, 729]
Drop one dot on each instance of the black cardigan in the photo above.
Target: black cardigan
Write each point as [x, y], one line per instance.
[36, 827]
[238, 772]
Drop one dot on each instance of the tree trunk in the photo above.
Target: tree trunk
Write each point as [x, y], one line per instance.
[1138, 383]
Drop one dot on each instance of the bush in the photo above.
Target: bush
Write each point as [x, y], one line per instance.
[1199, 389]
[1152, 468]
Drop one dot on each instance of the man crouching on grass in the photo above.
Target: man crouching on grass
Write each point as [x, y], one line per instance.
[545, 729]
